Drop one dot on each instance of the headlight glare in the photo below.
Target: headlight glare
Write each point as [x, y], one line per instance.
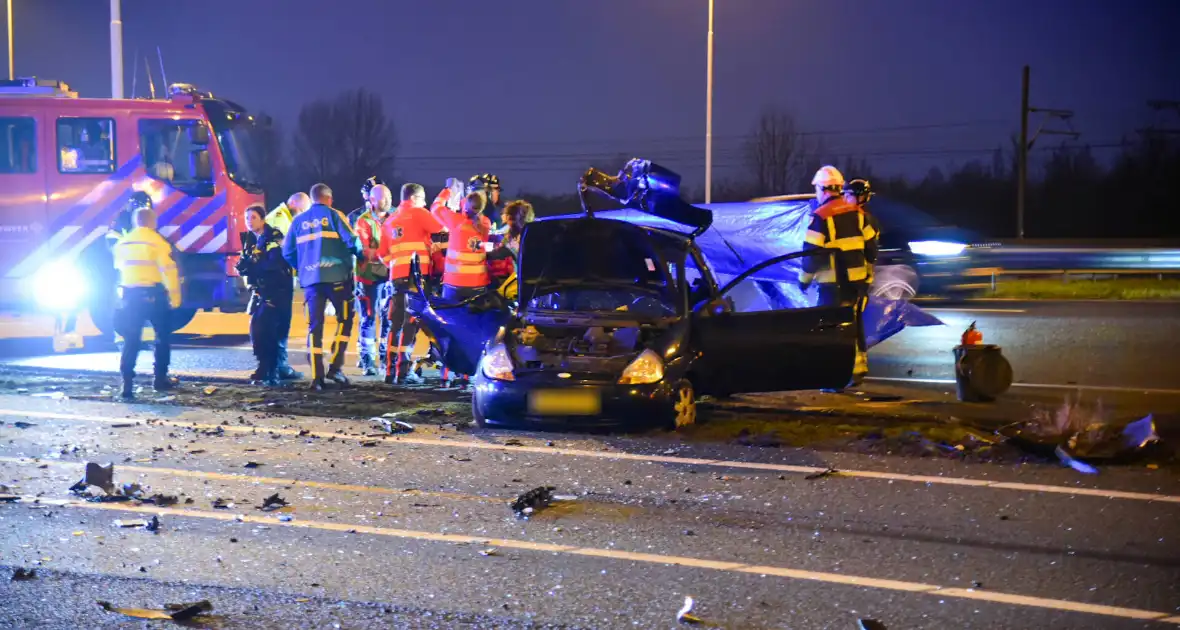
[936, 248]
[645, 369]
[58, 286]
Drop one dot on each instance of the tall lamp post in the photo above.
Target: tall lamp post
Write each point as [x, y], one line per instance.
[11, 62]
[708, 113]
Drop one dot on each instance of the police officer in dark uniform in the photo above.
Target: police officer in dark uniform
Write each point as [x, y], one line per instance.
[269, 278]
[149, 290]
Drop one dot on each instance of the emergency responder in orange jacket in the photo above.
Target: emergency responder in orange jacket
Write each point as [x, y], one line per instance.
[841, 230]
[371, 278]
[466, 272]
[405, 235]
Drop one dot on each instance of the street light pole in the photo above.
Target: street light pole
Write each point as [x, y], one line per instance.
[11, 61]
[708, 113]
[116, 50]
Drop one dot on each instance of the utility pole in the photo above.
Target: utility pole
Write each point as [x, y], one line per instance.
[116, 50]
[11, 61]
[709, 113]
[1026, 145]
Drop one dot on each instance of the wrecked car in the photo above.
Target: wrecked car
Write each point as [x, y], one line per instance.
[622, 320]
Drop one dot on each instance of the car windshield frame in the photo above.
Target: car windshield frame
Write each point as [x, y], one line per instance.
[235, 133]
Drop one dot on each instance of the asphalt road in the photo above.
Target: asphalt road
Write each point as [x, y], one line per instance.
[416, 530]
[1132, 346]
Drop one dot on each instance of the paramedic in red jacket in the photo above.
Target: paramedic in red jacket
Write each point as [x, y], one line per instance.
[405, 234]
[466, 272]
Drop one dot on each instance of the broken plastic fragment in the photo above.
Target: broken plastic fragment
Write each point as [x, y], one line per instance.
[209, 390]
[173, 612]
[251, 465]
[393, 426]
[273, 502]
[1075, 464]
[1140, 433]
[532, 501]
[684, 615]
[23, 425]
[489, 552]
[139, 522]
[827, 472]
[19, 574]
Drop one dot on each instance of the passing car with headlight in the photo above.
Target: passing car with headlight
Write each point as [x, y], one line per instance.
[623, 320]
[919, 255]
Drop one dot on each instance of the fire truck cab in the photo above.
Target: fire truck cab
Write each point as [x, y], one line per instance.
[68, 166]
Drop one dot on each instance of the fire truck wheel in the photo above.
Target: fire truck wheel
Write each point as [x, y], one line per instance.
[181, 317]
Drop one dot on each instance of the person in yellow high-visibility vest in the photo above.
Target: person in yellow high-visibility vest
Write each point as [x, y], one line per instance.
[149, 290]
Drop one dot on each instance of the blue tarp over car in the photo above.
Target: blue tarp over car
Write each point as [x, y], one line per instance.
[745, 234]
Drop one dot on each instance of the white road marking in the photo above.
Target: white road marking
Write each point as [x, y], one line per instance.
[1011, 599]
[1098, 388]
[974, 310]
[615, 455]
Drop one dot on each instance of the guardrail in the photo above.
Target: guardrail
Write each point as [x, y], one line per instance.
[1031, 260]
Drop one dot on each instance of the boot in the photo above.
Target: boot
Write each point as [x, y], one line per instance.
[128, 388]
[288, 373]
[367, 365]
[164, 383]
[338, 377]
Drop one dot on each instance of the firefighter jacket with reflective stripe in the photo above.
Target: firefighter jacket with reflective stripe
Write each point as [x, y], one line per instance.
[320, 246]
[368, 237]
[119, 228]
[872, 234]
[263, 264]
[280, 218]
[841, 228]
[144, 259]
[467, 260]
[407, 232]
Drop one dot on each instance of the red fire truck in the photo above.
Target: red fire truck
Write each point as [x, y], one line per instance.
[68, 166]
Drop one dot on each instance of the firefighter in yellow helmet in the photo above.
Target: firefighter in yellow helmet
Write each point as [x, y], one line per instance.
[841, 272]
[149, 290]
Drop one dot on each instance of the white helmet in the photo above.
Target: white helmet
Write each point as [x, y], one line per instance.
[828, 177]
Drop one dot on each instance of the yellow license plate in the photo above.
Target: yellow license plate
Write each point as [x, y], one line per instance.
[565, 402]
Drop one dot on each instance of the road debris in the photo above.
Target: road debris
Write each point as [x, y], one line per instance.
[1080, 434]
[489, 552]
[98, 476]
[460, 459]
[162, 500]
[20, 575]
[513, 442]
[827, 472]
[870, 624]
[393, 426]
[9, 498]
[222, 504]
[251, 465]
[684, 615]
[536, 499]
[152, 525]
[210, 390]
[52, 395]
[20, 424]
[273, 502]
[171, 612]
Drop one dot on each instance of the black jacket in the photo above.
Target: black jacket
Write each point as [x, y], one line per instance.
[262, 262]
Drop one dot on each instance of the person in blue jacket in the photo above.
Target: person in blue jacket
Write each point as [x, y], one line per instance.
[321, 246]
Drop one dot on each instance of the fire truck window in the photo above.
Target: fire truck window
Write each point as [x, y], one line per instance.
[167, 151]
[86, 145]
[18, 146]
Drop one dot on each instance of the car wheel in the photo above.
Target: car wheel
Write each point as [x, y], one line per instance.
[481, 420]
[894, 282]
[684, 405]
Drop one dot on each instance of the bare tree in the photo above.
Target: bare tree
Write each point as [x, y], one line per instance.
[345, 140]
[775, 152]
[316, 146]
[274, 169]
[366, 137]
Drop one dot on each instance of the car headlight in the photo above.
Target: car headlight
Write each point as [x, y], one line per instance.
[59, 286]
[496, 364]
[646, 368]
[937, 248]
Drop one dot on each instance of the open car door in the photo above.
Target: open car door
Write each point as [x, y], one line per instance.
[772, 349]
[460, 330]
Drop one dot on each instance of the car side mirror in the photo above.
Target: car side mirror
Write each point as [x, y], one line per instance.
[198, 134]
[202, 166]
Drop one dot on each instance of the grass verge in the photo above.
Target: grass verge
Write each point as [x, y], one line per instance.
[1122, 289]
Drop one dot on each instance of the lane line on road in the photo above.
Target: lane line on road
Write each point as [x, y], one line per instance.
[277, 481]
[1099, 388]
[615, 455]
[993, 597]
[973, 310]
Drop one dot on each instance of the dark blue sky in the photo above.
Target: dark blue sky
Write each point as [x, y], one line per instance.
[543, 85]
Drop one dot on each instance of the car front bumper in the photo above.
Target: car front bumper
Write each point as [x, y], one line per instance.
[528, 400]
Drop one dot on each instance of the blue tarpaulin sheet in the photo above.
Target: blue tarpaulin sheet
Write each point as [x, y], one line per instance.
[745, 234]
